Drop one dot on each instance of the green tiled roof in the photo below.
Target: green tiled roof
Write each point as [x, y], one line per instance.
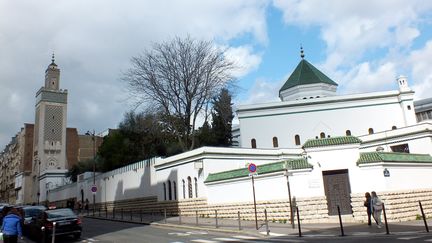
[373, 157]
[322, 142]
[293, 164]
[306, 73]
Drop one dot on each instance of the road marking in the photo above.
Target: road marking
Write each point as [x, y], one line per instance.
[409, 238]
[226, 239]
[428, 240]
[179, 233]
[244, 237]
[204, 241]
[272, 234]
[197, 233]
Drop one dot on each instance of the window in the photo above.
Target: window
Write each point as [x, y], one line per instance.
[196, 187]
[189, 187]
[348, 132]
[409, 107]
[403, 148]
[297, 139]
[175, 190]
[253, 143]
[394, 127]
[169, 190]
[184, 189]
[164, 187]
[275, 142]
[322, 135]
[371, 131]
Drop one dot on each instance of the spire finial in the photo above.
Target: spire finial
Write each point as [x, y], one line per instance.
[52, 58]
[301, 52]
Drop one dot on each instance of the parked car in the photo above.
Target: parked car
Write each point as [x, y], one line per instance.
[66, 223]
[31, 212]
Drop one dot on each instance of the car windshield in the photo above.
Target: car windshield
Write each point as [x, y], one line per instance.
[60, 213]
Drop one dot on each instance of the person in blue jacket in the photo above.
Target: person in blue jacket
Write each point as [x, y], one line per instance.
[11, 227]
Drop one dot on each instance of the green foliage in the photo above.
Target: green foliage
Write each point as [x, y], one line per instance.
[222, 117]
[80, 168]
[419, 217]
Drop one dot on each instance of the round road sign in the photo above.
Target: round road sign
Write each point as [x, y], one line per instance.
[252, 168]
[94, 188]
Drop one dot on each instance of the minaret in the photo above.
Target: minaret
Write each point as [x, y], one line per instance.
[50, 133]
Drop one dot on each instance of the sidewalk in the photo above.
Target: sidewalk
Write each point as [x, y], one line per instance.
[275, 229]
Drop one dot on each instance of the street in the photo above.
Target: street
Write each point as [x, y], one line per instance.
[105, 231]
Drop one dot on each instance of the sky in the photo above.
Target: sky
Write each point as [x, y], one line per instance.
[362, 45]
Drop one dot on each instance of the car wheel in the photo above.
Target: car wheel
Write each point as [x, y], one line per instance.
[77, 236]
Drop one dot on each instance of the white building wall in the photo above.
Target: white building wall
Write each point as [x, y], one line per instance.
[331, 115]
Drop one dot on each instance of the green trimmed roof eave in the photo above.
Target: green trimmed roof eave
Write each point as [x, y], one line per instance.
[306, 73]
[392, 157]
[293, 164]
[332, 141]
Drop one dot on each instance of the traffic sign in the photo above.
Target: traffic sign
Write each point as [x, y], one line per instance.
[252, 168]
[93, 188]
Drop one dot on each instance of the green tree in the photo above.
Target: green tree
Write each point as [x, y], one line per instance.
[222, 116]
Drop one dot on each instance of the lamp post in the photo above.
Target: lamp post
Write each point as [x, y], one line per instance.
[38, 191]
[94, 164]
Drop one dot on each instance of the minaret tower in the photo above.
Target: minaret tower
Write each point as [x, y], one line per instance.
[50, 134]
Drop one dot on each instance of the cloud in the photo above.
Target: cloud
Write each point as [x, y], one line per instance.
[419, 61]
[351, 28]
[244, 58]
[93, 42]
[262, 91]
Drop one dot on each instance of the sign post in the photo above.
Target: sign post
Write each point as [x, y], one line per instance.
[252, 169]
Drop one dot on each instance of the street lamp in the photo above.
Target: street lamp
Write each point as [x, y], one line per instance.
[88, 133]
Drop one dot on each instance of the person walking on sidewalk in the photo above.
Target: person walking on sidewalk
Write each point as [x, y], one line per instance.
[11, 227]
[376, 207]
[367, 204]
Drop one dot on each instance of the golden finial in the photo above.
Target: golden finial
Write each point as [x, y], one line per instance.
[301, 52]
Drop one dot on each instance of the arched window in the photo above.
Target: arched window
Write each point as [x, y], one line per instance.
[371, 131]
[164, 186]
[322, 135]
[196, 187]
[169, 190]
[275, 142]
[348, 132]
[175, 190]
[394, 127]
[253, 143]
[189, 187]
[297, 139]
[184, 189]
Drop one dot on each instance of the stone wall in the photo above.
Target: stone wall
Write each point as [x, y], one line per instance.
[400, 206]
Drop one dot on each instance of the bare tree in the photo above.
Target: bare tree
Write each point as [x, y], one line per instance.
[179, 77]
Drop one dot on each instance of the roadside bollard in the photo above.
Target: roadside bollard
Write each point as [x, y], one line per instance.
[340, 221]
[99, 211]
[196, 214]
[165, 215]
[385, 219]
[53, 233]
[180, 220]
[121, 213]
[140, 215]
[424, 217]
[43, 234]
[216, 218]
[131, 212]
[298, 222]
[239, 220]
[266, 222]
[106, 212]
[113, 212]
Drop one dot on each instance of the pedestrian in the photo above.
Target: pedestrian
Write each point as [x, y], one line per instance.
[367, 204]
[376, 207]
[11, 227]
[79, 207]
[86, 206]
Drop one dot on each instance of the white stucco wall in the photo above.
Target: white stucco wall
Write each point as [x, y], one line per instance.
[331, 115]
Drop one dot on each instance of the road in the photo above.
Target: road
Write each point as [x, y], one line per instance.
[102, 231]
